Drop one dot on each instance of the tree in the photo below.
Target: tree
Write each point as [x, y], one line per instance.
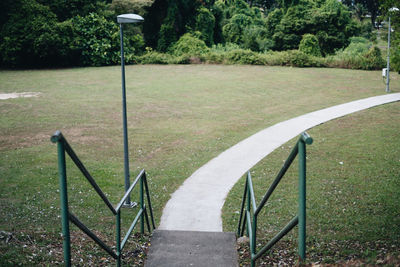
[309, 45]
[358, 6]
[205, 23]
[30, 36]
[175, 17]
[294, 24]
[329, 21]
[68, 9]
[386, 5]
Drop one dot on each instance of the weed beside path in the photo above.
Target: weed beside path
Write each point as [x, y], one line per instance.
[179, 117]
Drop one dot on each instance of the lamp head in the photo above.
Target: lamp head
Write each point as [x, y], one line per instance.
[393, 9]
[129, 18]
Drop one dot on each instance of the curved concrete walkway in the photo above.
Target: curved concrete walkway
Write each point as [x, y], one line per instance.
[197, 204]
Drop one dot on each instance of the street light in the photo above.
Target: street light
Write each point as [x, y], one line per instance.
[123, 19]
[393, 9]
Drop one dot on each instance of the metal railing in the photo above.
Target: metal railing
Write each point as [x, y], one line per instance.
[67, 216]
[249, 214]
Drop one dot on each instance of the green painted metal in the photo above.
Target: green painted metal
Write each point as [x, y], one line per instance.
[147, 219]
[64, 203]
[89, 233]
[128, 233]
[249, 213]
[278, 178]
[141, 206]
[66, 216]
[124, 117]
[149, 201]
[254, 239]
[118, 236]
[88, 177]
[276, 238]
[302, 200]
[240, 233]
[127, 193]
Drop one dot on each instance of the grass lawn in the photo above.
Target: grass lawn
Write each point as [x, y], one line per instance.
[179, 117]
[353, 189]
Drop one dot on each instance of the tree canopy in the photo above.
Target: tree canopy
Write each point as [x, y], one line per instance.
[35, 33]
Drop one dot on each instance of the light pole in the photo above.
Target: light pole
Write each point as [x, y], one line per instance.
[123, 19]
[388, 52]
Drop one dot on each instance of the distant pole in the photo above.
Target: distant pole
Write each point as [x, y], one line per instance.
[388, 60]
[122, 19]
[393, 9]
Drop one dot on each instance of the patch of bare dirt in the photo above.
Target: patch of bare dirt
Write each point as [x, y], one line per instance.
[17, 95]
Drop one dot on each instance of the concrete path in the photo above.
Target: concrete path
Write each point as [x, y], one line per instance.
[197, 204]
[195, 249]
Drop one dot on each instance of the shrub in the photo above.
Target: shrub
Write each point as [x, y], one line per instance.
[256, 39]
[395, 56]
[30, 36]
[244, 56]
[220, 48]
[355, 49]
[297, 58]
[152, 57]
[97, 39]
[189, 44]
[293, 58]
[309, 45]
[366, 60]
[373, 59]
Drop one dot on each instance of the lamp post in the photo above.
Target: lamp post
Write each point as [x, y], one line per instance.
[124, 19]
[388, 52]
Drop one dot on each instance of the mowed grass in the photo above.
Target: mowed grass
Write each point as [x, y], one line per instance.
[353, 191]
[179, 117]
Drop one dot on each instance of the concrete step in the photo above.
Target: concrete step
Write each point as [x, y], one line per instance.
[191, 248]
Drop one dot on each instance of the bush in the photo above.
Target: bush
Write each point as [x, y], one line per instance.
[395, 56]
[373, 59]
[152, 57]
[255, 38]
[243, 56]
[188, 44]
[30, 36]
[354, 59]
[309, 45]
[293, 58]
[99, 43]
[217, 53]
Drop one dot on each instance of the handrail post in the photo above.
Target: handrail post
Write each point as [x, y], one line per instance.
[242, 213]
[118, 236]
[141, 206]
[302, 199]
[146, 187]
[254, 232]
[248, 204]
[64, 202]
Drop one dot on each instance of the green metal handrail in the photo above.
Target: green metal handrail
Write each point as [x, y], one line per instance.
[66, 216]
[249, 214]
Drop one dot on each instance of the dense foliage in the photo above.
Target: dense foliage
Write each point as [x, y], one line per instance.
[45, 33]
[386, 5]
